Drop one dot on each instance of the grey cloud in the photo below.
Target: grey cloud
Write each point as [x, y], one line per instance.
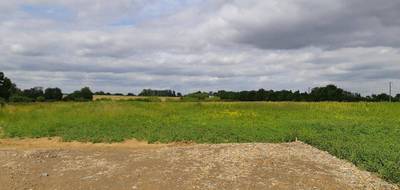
[210, 45]
[327, 24]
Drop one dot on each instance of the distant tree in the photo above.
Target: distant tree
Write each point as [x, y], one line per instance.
[397, 98]
[198, 95]
[333, 93]
[100, 93]
[7, 88]
[130, 94]
[150, 92]
[179, 94]
[227, 95]
[53, 94]
[380, 97]
[118, 94]
[33, 93]
[74, 96]
[327, 93]
[20, 98]
[85, 94]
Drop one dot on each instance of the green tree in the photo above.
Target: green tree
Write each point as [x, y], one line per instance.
[20, 98]
[85, 94]
[33, 93]
[53, 94]
[150, 92]
[380, 97]
[7, 88]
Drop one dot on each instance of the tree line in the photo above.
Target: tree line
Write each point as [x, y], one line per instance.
[165, 93]
[144, 92]
[10, 93]
[318, 94]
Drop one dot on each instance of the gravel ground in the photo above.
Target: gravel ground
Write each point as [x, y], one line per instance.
[49, 164]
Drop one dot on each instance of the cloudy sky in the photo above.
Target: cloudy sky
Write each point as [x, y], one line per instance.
[187, 45]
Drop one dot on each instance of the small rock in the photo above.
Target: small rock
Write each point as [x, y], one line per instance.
[87, 177]
[44, 174]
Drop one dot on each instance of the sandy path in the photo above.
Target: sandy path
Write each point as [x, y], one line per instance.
[49, 164]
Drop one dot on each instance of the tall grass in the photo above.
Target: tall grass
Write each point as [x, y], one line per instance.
[367, 134]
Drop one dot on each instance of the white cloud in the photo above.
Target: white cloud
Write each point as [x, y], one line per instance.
[208, 45]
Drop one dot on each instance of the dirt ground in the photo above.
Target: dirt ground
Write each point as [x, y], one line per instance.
[50, 164]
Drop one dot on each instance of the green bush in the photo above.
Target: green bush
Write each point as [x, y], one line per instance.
[2, 102]
[40, 99]
[197, 95]
[82, 95]
[19, 98]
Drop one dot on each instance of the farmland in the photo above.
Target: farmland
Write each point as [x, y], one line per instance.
[113, 97]
[367, 134]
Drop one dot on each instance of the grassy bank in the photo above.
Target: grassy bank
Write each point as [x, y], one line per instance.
[368, 134]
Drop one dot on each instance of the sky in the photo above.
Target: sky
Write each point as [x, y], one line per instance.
[189, 45]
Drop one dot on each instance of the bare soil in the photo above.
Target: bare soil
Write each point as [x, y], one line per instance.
[51, 164]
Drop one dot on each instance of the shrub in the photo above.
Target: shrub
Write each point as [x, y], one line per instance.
[40, 99]
[213, 99]
[33, 93]
[85, 94]
[2, 102]
[19, 98]
[53, 94]
[197, 95]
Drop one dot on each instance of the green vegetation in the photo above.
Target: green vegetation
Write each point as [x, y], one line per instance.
[367, 134]
[10, 93]
[85, 94]
[165, 93]
[317, 94]
[2, 102]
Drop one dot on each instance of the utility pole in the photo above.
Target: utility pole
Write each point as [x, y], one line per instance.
[390, 91]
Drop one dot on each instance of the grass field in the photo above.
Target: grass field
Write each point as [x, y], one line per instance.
[367, 134]
[112, 97]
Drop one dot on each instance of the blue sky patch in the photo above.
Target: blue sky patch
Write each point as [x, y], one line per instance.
[154, 11]
[54, 12]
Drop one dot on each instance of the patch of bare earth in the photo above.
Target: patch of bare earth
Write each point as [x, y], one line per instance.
[50, 164]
